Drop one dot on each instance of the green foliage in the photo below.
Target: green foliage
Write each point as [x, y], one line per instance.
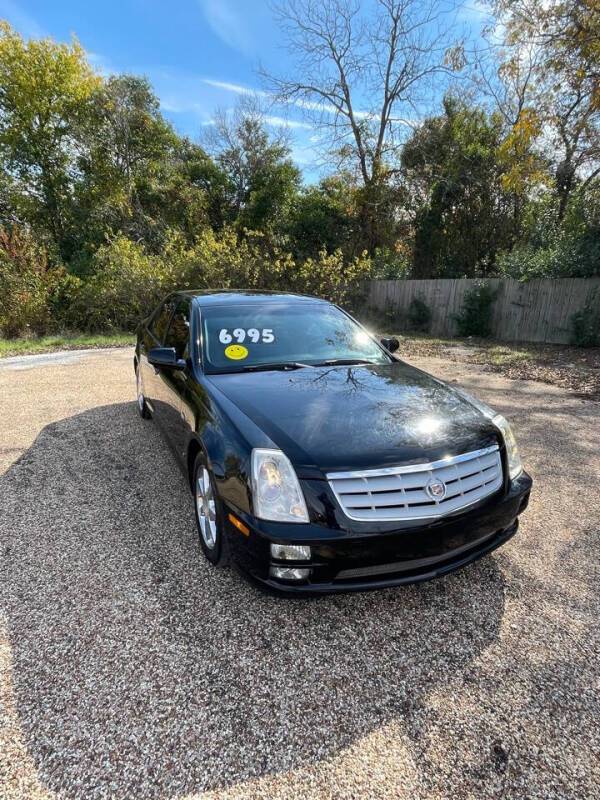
[378, 223]
[46, 92]
[137, 176]
[329, 277]
[31, 293]
[323, 217]
[463, 212]
[475, 317]
[555, 247]
[391, 264]
[128, 281]
[106, 208]
[263, 180]
[562, 84]
[125, 285]
[270, 197]
[63, 341]
[585, 323]
[419, 315]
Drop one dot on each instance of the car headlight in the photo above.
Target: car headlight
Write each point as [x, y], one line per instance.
[277, 493]
[512, 451]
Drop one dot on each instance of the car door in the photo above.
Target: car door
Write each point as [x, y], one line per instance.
[154, 335]
[173, 381]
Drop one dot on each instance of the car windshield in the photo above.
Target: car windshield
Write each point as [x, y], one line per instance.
[243, 337]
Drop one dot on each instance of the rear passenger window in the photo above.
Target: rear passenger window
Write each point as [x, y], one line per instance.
[178, 335]
[159, 323]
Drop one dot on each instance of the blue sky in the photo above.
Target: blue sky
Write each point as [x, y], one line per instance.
[200, 55]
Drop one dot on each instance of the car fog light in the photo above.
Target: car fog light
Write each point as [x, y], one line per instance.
[291, 552]
[290, 573]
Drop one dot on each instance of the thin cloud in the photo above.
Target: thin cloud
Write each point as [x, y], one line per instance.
[306, 104]
[177, 108]
[235, 87]
[287, 123]
[228, 26]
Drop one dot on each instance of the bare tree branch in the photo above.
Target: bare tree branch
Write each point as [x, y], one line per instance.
[357, 76]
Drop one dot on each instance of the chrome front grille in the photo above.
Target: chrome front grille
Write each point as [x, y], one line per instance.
[408, 492]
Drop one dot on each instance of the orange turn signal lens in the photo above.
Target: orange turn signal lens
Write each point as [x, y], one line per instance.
[239, 525]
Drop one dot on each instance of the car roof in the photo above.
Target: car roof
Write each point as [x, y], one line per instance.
[228, 297]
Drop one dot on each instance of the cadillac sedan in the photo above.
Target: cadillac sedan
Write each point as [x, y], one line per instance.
[317, 459]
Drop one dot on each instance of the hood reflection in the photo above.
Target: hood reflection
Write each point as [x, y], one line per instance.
[371, 414]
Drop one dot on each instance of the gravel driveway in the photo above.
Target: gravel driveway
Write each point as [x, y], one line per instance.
[129, 668]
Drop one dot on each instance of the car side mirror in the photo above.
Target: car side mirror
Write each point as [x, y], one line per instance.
[391, 344]
[165, 357]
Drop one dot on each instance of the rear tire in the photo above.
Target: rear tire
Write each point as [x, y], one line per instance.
[142, 407]
[209, 515]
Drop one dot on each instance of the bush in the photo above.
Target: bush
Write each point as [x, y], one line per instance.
[555, 248]
[419, 315]
[62, 301]
[567, 257]
[475, 318]
[330, 278]
[128, 282]
[391, 264]
[32, 294]
[585, 323]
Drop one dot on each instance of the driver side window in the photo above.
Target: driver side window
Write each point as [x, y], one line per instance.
[159, 323]
[178, 335]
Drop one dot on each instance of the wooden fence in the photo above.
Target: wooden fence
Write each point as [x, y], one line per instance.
[531, 311]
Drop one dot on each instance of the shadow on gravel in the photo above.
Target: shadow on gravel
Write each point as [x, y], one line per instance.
[139, 670]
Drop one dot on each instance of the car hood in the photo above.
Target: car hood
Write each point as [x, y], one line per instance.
[358, 417]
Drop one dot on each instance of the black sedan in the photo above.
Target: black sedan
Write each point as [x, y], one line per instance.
[318, 460]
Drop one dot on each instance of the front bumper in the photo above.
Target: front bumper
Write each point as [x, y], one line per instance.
[349, 559]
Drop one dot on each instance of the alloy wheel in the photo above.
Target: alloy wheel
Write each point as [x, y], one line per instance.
[140, 395]
[205, 506]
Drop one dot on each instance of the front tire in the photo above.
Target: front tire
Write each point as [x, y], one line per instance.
[209, 515]
[142, 407]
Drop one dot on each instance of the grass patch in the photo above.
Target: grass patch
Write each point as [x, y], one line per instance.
[66, 341]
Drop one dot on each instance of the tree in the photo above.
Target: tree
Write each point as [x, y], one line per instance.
[324, 217]
[45, 94]
[126, 163]
[139, 177]
[507, 76]
[453, 174]
[564, 37]
[132, 135]
[263, 180]
[199, 170]
[359, 76]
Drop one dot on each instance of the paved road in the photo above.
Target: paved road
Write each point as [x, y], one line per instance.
[129, 668]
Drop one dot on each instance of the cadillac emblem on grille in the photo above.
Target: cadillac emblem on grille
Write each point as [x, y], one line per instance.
[436, 489]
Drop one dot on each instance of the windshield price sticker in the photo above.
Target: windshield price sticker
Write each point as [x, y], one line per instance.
[266, 336]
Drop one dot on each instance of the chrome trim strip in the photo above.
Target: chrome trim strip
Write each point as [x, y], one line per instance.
[445, 462]
[424, 518]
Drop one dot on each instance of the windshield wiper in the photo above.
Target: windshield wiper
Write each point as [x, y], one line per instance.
[283, 366]
[333, 362]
